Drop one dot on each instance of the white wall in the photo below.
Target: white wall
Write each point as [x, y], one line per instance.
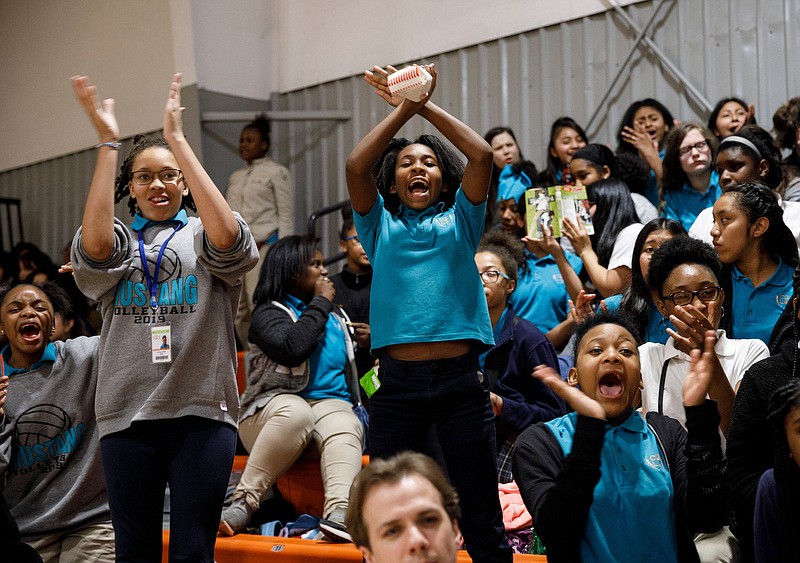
[323, 40]
[247, 48]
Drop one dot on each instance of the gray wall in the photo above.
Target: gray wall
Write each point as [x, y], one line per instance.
[724, 47]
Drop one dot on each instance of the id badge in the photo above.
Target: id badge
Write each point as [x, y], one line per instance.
[161, 343]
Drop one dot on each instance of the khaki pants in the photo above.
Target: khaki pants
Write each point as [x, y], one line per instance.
[279, 433]
[90, 544]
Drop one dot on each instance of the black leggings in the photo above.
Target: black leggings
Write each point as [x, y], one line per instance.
[194, 455]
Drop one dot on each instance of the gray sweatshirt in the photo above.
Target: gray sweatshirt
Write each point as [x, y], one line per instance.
[49, 444]
[198, 293]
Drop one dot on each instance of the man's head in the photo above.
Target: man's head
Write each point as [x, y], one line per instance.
[404, 509]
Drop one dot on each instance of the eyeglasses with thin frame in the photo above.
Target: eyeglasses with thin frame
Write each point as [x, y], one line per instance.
[166, 176]
[492, 276]
[706, 295]
[700, 146]
[354, 238]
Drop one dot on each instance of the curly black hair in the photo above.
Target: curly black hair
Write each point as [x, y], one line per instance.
[122, 184]
[507, 247]
[603, 318]
[676, 252]
[383, 172]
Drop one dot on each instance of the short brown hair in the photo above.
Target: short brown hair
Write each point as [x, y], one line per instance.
[390, 471]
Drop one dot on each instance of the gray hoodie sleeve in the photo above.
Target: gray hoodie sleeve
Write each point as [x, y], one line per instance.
[5, 445]
[96, 278]
[227, 264]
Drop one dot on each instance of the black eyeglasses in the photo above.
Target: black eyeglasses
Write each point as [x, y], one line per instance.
[167, 176]
[701, 146]
[492, 276]
[706, 295]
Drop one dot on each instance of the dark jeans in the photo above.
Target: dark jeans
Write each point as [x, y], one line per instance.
[194, 455]
[446, 395]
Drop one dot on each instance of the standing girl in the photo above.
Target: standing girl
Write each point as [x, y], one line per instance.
[420, 220]
[760, 255]
[262, 193]
[165, 416]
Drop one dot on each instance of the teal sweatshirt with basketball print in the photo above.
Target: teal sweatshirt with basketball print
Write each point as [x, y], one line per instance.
[49, 442]
[197, 294]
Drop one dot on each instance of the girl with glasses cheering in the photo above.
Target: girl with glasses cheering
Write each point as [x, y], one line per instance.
[165, 416]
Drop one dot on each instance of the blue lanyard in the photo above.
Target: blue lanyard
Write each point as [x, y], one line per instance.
[152, 281]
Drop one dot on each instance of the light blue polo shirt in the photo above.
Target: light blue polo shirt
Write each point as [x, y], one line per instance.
[655, 330]
[326, 378]
[685, 205]
[425, 286]
[756, 309]
[631, 517]
[48, 356]
[541, 296]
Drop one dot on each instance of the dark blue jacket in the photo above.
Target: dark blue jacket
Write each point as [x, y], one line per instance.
[526, 400]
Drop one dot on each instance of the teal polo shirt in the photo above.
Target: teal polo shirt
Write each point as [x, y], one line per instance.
[425, 286]
[326, 378]
[48, 356]
[541, 296]
[756, 309]
[685, 205]
[631, 517]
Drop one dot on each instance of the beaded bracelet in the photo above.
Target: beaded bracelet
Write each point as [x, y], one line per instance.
[110, 144]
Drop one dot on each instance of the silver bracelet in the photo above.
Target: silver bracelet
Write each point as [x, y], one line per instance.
[110, 144]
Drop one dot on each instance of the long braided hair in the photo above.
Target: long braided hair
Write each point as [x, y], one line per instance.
[787, 470]
[122, 184]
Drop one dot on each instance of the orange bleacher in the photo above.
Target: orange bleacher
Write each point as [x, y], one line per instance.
[245, 548]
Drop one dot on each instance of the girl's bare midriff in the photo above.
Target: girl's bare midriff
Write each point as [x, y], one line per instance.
[423, 351]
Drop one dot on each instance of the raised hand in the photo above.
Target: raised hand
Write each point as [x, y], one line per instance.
[582, 310]
[324, 286]
[173, 111]
[101, 114]
[701, 372]
[576, 399]
[577, 235]
[377, 78]
[640, 139]
[691, 326]
[545, 245]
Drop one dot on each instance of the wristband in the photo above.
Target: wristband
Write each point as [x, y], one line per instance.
[110, 144]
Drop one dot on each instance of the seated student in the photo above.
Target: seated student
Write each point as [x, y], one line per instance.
[684, 276]
[637, 300]
[607, 254]
[403, 509]
[352, 287]
[301, 389]
[749, 448]
[508, 161]
[759, 254]
[518, 400]
[689, 183]
[777, 515]
[605, 484]
[641, 132]
[49, 442]
[749, 156]
[566, 137]
[596, 162]
[786, 124]
[729, 116]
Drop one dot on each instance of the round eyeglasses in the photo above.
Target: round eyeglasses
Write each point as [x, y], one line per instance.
[167, 176]
[700, 146]
[492, 276]
[706, 295]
